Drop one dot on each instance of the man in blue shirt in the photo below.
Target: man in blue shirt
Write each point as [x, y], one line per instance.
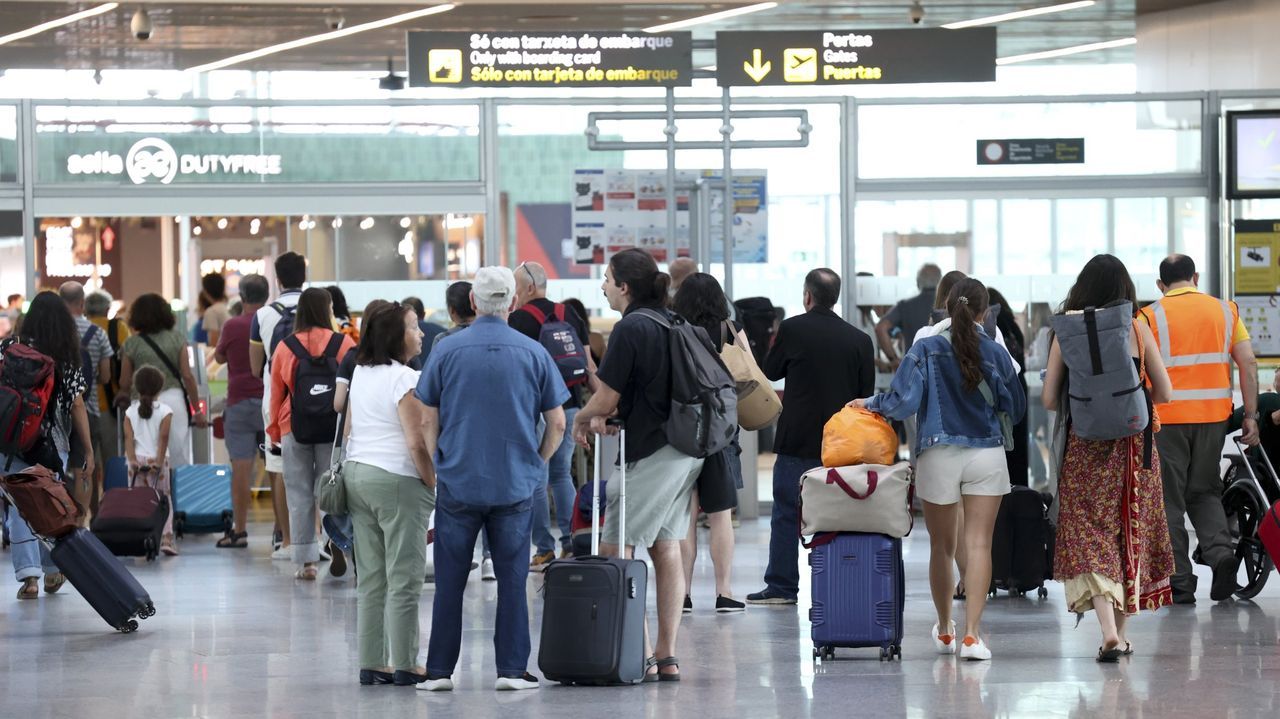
[485, 390]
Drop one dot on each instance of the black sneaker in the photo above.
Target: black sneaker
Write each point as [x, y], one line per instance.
[688, 604]
[768, 597]
[728, 605]
[1184, 598]
[1224, 578]
[337, 561]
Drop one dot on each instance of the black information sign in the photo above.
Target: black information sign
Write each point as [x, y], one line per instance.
[550, 59]
[855, 57]
[1060, 151]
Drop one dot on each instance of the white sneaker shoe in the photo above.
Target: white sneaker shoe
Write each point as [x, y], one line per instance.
[486, 571]
[444, 684]
[974, 650]
[283, 554]
[945, 643]
[508, 684]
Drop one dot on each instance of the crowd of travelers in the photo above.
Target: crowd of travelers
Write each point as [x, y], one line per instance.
[450, 435]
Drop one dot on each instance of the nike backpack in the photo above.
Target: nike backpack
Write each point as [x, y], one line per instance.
[314, 380]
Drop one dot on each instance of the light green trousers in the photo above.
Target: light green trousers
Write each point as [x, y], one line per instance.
[390, 514]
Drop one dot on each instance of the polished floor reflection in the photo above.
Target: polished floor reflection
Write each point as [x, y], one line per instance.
[236, 636]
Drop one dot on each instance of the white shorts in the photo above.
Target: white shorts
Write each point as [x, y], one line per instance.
[945, 472]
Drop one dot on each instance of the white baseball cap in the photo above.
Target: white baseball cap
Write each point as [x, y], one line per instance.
[494, 283]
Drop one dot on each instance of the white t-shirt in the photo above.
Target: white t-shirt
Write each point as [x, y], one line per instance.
[377, 437]
[146, 432]
[931, 330]
[267, 317]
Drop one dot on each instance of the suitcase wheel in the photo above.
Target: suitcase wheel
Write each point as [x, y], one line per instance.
[821, 653]
[179, 519]
[889, 653]
[228, 520]
[147, 611]
[1043, 593]
[129, 627]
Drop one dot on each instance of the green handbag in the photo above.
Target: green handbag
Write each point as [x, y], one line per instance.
[331, 489]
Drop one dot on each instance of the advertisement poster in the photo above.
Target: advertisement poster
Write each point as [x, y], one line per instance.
[614, 210]
[1261, 315]
[1257, 256]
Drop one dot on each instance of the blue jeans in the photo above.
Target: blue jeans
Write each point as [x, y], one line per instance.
[457, 526]
[340, 529]
[782, 577]
[560, 480]
[30, 556]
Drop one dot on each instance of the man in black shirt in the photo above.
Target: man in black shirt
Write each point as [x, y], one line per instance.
[908, 316]
[825, 362]
[535, 310]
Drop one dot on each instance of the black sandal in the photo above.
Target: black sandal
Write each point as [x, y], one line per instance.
[668, 662]
[233, 540]
[1109, 656]
[1128, 650]
[959, 593]
[650, 663]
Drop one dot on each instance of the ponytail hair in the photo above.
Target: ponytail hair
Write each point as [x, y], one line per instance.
[966, 304]
[150, 384]
[636, 269]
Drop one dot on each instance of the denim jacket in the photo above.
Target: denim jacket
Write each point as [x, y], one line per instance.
[929, 385]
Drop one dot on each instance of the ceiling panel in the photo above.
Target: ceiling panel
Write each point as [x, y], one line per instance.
[192, 33]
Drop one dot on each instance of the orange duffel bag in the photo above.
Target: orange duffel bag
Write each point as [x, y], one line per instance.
[858, 436]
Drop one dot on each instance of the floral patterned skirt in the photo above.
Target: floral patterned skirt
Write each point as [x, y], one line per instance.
[1113, 539]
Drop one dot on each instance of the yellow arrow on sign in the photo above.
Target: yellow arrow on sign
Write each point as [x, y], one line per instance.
[755, 70]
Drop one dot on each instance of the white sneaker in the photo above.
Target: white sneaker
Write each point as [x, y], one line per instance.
[444, 684]
[509, 684]
[283, 554]
[974, 650]
[486, 571]
[945, 643]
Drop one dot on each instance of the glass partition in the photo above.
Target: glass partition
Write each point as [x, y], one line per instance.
[166, 144]
[8, 144]
[941, 140]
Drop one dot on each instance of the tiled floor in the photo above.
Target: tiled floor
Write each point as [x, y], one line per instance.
[236, 636]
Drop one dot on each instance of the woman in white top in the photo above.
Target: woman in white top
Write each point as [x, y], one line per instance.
[146, 439]
[390, 485]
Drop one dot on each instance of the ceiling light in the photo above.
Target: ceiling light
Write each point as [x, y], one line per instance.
[712, 17]
[405, 222]
[366, 223]
[222, 223]
[1062, 52]
[1020, 14]
[302, 225]
[196, 230]
[76, 222]
[75, 17]
[322, 37]
[177, 220]
[337, 223]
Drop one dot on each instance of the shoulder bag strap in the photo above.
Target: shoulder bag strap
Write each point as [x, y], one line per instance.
[535, 313]
[1148, 433]
[173, 370]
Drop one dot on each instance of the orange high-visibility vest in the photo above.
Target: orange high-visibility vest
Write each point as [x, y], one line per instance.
[1194, 331]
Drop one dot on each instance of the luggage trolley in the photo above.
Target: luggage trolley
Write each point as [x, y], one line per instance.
[1250, 487]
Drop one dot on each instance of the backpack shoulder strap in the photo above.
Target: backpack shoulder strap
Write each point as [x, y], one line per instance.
[535, 313]
[113, 333]
[335, 344]
[655, 316]
[559, 312]
[295, 346]
[88, 334]
[279, 308]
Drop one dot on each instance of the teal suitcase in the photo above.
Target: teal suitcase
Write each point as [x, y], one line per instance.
[202, 499]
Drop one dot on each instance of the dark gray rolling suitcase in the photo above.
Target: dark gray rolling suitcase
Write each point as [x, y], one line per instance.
[103, 580]
[593, 615]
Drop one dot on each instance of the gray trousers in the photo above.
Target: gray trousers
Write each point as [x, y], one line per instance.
[1189, 456]
[303, 464]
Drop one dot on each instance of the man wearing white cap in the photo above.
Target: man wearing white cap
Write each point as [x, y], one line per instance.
[484, 390]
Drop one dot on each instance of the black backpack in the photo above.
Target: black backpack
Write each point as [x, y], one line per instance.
[704, 397]
[87, 366]
[311, 400]
[283, 328]
[562, 341]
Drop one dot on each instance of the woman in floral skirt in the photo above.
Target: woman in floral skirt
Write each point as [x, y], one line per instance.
[1113, 551]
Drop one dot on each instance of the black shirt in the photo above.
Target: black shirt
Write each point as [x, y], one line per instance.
[637, 365]
[911, 314]
[526, 324]
[826, 363]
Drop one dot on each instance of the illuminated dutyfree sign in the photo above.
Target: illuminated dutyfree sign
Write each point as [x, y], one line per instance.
[152, 159]
[550, 59]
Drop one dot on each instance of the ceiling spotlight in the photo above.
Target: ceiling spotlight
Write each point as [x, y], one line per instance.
[76, 222]
[222, 223]
[391, 81]
[334, 20]
[197, 230]
[366, 223]
[405, 222]
[302, 225]
[141, 24]
[916, 13]
[337, 223]
[177, 220]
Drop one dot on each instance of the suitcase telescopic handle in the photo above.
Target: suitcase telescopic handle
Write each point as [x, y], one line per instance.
[622, 491]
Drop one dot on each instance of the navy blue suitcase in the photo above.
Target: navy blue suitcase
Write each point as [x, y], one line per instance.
[103, 580]
[115, 474]
[858, 594]
[202, 499]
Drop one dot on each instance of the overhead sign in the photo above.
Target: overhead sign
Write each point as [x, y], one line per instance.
[1061, 151]
[855, 57]
[154, 160]
[550, 59]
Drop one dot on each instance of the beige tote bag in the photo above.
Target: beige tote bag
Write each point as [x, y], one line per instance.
[862, 498]
[758, 403]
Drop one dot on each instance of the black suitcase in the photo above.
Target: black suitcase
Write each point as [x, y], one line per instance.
[1021, 544]
[102, 580]
[130, 521]
[593, 613]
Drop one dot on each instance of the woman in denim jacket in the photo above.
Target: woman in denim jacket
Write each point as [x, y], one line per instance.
[960, 385]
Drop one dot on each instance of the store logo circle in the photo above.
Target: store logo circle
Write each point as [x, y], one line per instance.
[151, 158]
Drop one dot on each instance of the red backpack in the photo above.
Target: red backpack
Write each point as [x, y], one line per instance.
[26, 391]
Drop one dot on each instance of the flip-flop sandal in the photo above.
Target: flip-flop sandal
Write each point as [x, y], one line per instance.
[1128, 650]
[1109, 656]
[959, 593]
[650, 663]
[29, 590]
[307, 574]
[52, 587]
[233, 540]
[668, 662]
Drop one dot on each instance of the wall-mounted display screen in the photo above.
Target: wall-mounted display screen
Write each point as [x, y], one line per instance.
[1253, 154]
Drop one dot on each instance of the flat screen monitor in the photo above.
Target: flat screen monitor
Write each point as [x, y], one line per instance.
[1253, 154]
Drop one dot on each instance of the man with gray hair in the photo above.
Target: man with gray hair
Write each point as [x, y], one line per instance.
[95, 358]
[96, 307]
[484, 390]
[908, 316]
[535, 312]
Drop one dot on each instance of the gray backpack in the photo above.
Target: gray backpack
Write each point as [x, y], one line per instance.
[704, 397]
[1104, 388]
